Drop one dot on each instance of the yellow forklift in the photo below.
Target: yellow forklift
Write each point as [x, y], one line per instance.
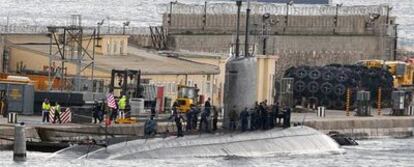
[187, 96]
[126, 82]
[402, 72]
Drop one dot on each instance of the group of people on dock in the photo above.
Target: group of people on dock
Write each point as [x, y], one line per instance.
[192, 121]
[47, 108]
[261, 116]
[112, 109]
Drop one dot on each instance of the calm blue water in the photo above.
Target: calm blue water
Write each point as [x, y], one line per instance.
[378, 152]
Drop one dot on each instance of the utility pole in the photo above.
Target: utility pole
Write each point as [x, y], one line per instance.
[265, 30]
[336, 16]
[395, 41]
[246, 47]
[205, 15]
[99, 32]
[125, 24]
[238, 3]
[170, 14]
[289, 3]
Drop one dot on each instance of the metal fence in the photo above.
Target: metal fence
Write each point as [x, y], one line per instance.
[13, 28]
[275, 9]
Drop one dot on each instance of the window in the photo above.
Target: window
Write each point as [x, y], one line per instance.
[121, 50]
[174, 88]
[190, 83]
[108, 48]
[115, 47]
[208, 88]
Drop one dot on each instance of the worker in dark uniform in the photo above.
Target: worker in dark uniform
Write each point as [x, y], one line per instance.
[178, 122]
[195, 113]
[153, 112]
[243, 118]
[286, 118]
[207, 105]
[263, 116]
[114, 112]
[150, 127]
[215, 118]
[275, 110]
[175, 105]
[96, 112]
[233, 118]
[204, 121]
[270, 117]
[253, 117]
[189, 116]
[103, 110]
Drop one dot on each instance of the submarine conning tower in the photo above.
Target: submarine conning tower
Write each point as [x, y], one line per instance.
[240, 86]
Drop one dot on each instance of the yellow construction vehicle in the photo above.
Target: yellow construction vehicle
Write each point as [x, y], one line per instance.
[187, 96]
[402, 72]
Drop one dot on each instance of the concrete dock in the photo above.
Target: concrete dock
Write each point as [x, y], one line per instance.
[375, 126]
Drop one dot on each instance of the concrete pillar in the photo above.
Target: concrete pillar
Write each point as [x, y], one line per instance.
[19, 153]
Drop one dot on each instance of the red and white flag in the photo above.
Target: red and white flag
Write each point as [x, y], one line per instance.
[110, 101]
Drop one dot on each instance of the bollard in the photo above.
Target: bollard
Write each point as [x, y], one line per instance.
[12, 117]
[321, 111]
[411, 110]
[348, 102]
[19, 152]
[379, 101]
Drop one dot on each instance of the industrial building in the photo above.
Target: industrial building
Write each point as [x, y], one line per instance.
[297, 34]
[199, 40]
[28, 54]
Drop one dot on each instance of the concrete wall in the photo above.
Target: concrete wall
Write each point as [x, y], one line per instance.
[282, 24]
[375, 46]
[368, 128]
[142, 40]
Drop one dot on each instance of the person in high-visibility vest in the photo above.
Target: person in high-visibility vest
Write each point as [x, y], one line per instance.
[57, 113]
[45, 110]
[122, 104]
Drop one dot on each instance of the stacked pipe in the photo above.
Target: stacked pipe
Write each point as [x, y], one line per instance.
[327, 85]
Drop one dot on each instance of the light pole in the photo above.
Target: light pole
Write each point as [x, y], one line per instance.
[289, 3]
[170, 14]
[395, 41]
[238, 3]
[205, 15]
[99, 31]
[265, 18]
[246, 37]
[109, 25]
[336, 16]
[388, 15]
[125, 24]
